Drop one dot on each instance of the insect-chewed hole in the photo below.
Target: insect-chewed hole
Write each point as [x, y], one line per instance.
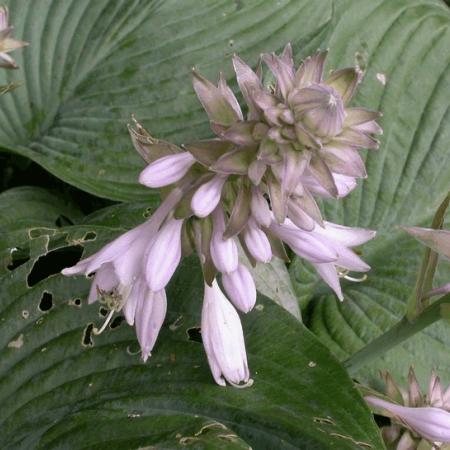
[53, 262]
[194, 334]
[103, 312]
[19, 256]
[46, 302]
[87, 341]
[77, 302]
[90, 236]
[116, 322]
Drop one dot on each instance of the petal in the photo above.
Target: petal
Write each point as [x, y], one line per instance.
[329, 274]
[283, 72]
[311, 70]
[344, 82]
[248, 84]
[215, 101]
[164, 255]
[348, 236]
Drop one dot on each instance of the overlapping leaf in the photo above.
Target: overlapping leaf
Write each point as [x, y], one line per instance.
[91, 64]
[63, 387]
[403, 48]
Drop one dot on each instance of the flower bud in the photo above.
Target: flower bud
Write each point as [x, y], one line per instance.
[207, 196]
[260, 208]
[224, 252]
[166, 170]
[320, 108]
[257, 242]
[240, 288]
[150, 314]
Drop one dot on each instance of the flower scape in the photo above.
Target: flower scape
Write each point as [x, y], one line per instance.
[255, 186]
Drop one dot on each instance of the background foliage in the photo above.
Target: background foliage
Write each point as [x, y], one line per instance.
[89, 66]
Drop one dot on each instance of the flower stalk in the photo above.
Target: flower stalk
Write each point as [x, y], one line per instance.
[398, 334]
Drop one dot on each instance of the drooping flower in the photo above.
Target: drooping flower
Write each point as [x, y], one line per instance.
[120, 280]
[414, 416]
[327, 248]
[252, 186]
[7, 43]
[223, 338]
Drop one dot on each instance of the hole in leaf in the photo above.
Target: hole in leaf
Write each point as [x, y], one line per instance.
[63, 221]
[46, 302]
[194, 334]
[117, 322]
[103, 312]
[53, 262]
[19, 256]
[147, 212]
[87, 336]
[90, 236]
[77, 301]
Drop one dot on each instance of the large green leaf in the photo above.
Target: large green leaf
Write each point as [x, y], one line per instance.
[406, 42]
[61, 387]
[91, 64]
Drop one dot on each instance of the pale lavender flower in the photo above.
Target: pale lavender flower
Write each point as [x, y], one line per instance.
[257, 242]
[166, 170]
[431, 423]
[240, 287]
[207, 196]
[252, 185]
[149, 317]
[223, 339]
[224, 251]
[7, 43]
[327, 248]
[164, 255]
[120, 281]
[414, 416]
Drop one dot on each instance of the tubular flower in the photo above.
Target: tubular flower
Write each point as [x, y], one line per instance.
[7, 43]
[252, 186]
[223, 338]
[414, 415]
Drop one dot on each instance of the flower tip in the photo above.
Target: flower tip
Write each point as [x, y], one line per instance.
[145, 354]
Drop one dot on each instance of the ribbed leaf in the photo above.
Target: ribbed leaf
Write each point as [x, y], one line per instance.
[403, 48]
[62, 387]
[91, 64]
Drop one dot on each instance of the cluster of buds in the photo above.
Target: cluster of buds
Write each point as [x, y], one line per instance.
[253, 186]
[7, 43]
[415, 416]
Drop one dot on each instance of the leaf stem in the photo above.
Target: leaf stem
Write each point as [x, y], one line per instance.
[397, 334]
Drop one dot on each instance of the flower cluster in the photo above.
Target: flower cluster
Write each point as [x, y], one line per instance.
[414, 416]
[7, 43]
[254, 186]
